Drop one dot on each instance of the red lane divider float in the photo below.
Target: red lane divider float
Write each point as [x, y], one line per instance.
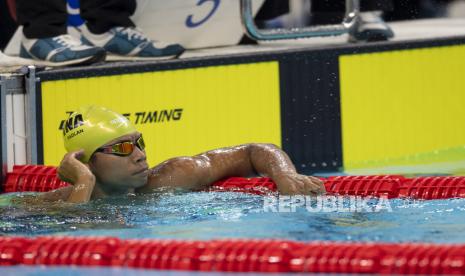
[43, 178]
[390, 186]
[32, 178]
[236, 255]
[247, 255]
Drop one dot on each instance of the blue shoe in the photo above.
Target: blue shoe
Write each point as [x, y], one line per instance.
[130, 44]
[60, 51]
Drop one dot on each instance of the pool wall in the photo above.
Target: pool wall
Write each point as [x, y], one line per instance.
[328, 107]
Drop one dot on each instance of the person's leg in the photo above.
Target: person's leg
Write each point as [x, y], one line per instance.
[7, 25]
[339, 5]
[108, 25]
[332, 11]
[272, 9]
[103, 15]
[416, 9]
[370, 25]
[45, 37]
[376, 5]
[42, 18]
[326, 12]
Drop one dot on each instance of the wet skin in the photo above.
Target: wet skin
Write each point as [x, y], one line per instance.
[108, 174]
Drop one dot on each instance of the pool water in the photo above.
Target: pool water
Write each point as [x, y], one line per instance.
[211, 215]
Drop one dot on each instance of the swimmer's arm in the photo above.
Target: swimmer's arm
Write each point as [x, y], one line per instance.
[79, 175]
[82, 190]
[202, 170]
[57, 195]
[77, 193]
[72, 171]
[61, 194]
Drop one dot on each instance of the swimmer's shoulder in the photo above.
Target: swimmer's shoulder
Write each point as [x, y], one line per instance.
[154, 178]
[176, 172]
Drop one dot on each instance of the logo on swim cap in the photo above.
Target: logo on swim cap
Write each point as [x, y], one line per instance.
[90, 127]
[74, 121]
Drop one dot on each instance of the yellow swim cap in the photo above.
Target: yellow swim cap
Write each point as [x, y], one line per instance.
[90, 127]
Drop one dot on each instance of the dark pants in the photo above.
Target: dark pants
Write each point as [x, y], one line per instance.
[339, 5]
[47, 18]
[272, 9]
[416, 9]
[332, 11]
[7, 25]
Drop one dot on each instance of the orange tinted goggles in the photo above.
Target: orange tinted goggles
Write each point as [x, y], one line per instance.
[123, 148]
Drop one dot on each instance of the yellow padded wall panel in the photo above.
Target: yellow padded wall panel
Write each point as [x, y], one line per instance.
[403, 107]
[221, 106]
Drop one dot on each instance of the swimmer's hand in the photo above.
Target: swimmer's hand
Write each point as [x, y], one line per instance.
[291, 183]
[71, 169]
[77, 173]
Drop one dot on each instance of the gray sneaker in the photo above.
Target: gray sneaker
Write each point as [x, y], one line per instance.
[370, 27]
[130, 44]
[60, 51]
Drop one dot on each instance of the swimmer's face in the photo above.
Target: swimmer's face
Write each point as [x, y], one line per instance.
[121, 172]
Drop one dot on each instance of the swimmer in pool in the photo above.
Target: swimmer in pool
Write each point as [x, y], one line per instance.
[106, 156]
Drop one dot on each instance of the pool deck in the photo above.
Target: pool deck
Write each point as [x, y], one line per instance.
[405, 31]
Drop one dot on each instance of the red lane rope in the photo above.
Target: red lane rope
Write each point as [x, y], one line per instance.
[246, 255]
[236, 255]
[36, 178]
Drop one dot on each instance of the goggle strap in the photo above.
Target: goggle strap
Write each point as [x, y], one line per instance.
[140, 143]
